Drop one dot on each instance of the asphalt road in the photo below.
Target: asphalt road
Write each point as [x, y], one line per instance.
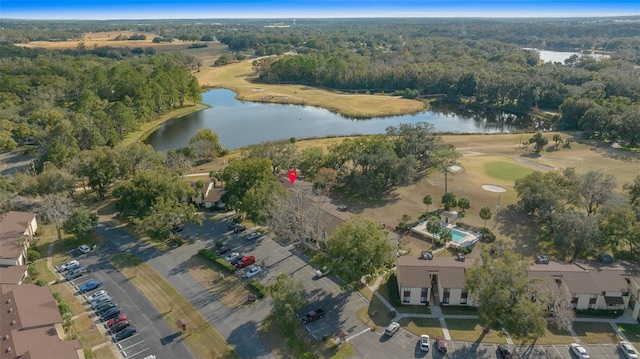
[155, 335]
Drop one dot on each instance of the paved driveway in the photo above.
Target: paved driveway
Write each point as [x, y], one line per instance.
[155, 335]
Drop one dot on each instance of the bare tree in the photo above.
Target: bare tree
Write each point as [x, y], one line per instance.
[179, 162]
[56, 208]
[558, 297]
[294, 217]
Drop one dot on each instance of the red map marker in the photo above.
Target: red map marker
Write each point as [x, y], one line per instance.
[292, 174]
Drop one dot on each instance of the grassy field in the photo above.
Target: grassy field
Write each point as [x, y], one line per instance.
[506, 170]
[230, 290]
[201, 338]
[595, 333]
[470, 330]
[419, 326]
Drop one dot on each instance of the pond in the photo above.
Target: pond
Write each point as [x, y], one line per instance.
[240, 123]
[560, 56]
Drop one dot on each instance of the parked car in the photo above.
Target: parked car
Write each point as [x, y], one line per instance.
[125, 333]
[66, 266]
[177, 228]
[119, 326]
[442, 344]
[90, 285]
[75, 273]
[577, 350]
[605, 258]
[342, 208]
[222, 250]
[505, 352]
[239, 228]
[73, 267]
[110, 314]
[117, 319]
[246, 261]
[254, 235]
[231, 256]
[392, 329]
[100, 300]
[84, 249]
[542, 259]
[425, 343]
[253, 271]
[150, 357]
[461, 257]
[628, 350]
[237, 259]
[104, 307]
[96, 295]
[231, 225]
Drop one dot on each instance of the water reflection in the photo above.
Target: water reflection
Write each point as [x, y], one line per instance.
[241, 123]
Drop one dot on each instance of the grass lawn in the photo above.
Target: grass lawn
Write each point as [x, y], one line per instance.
[632, 332]
[595, 333]
[374, 315]
[458, 310]
[470, 330]
[43, 272]
[105, 353]
[419, 326]
[506, 170]
[201, 338]
[68, 296]
[62, 248]
[230, 290]
[553, 336]
[87, 332]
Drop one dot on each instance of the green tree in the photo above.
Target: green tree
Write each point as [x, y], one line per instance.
[575, 233]
[427, 200]
[633, 189]
[485, 214]
[137, 157]
[443, 160]
[53, 180]
[557, 139]
[539, 141]
[449, 201]
[100, 167]
[282, 154]
[356, 248]
[503, 292]
[287, 301]
[543, 193]
[464, 203]
[310, 161]
[619, 225]
[593, 189]
[164, 214]
[81, 223]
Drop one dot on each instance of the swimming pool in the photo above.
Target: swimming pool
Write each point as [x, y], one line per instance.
[457, 235]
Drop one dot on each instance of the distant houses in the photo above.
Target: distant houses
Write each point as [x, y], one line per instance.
[17, 230]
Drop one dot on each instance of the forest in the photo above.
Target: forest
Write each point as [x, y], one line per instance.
[477, 64]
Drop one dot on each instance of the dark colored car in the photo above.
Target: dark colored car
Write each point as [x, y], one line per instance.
[73, 267]
[442, 344]
[312, 316]
[231, 225]
[239, 228]
[117, 319]
[542, 259]
[120, 326]
[178, 228]
[246, 260]
[236, 259]
[125, 333]
[90, 285]
[505, 352]
[75, 273]
[605, 258]
[110, 314]
[222, 250]
[105, 307]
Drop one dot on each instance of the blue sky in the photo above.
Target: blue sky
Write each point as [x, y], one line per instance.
[200, 9]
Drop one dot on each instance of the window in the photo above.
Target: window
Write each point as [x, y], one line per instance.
[424, 294]
[558, 282]
[445, 295]
[445, 300]
[406, 294]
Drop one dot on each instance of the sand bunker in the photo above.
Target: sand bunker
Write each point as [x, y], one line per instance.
[455, 168]
[493, 188]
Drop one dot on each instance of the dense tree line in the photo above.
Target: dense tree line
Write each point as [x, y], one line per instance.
[69, 102]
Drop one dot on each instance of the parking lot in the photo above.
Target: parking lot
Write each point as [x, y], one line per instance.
[153, 336]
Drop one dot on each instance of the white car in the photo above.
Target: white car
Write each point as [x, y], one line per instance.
[253, 235]
[96, 295]
[392, 329]
[84, 249]
[253, 271]
[322, 272]
[628, 350]
[425, 343]
[69, 264]
[577, 350]
[230, 256]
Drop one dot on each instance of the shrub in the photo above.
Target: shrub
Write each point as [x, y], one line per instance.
[219, 244]
[41, 282]
[464, 250]
[32, 270]
[63, 307]
[32, 255]
[211, 256]
[57, 296]
[261, 289]
[486, 235]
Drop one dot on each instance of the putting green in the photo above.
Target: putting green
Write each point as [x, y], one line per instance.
[506, 170]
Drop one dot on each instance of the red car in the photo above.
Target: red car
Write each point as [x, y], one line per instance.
[120, 326]
[120, 318]
[246, 260]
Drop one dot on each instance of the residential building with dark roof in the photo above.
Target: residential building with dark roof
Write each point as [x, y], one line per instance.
[17, 230]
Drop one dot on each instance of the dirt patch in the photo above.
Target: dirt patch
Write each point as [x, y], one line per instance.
[535, 164]
[227, 288]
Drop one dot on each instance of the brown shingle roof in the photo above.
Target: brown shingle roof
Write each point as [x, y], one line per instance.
[13, 225]
[43, 343]
[12, 274]
[415, 273]
[33, 306]
[214, 194]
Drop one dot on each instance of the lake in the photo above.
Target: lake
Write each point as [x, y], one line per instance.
[241, 123]
[560, 56]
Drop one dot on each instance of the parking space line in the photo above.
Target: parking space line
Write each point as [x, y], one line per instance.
[130, 346]
[134, 354]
